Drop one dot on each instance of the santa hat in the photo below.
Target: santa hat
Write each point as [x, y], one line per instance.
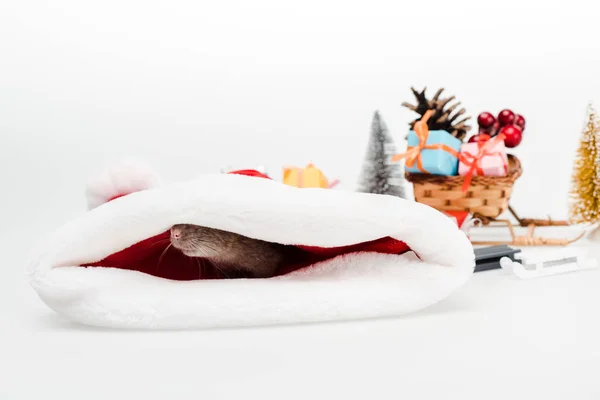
[364, 255]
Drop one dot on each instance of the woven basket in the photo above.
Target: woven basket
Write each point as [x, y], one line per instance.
[487, 196]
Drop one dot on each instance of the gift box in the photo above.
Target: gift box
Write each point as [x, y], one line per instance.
[436, 153]
[483, 158]
[309, 177]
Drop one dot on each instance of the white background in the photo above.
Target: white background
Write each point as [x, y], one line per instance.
[194, 86]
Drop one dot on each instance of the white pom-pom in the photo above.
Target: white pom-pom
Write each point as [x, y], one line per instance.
[125, 177]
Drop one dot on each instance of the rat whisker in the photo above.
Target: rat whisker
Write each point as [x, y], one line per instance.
[199, 268]
[199, 249]
[159, 242]
[207, 245]
[202, 246]
[162, 255]
[221, 270]
[163, 240]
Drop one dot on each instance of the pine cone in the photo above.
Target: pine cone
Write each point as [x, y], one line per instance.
[443, 118]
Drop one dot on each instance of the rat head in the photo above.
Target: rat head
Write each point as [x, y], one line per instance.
[196, 241]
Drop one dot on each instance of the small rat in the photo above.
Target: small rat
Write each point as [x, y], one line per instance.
[231, 253]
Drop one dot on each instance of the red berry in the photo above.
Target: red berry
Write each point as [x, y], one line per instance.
[486, 120]
[482, 137]
[506, 117]
[495, 128]
[486, 131]
[513, 135]
[520, 122]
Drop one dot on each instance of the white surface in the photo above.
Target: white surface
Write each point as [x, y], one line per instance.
[499, 338]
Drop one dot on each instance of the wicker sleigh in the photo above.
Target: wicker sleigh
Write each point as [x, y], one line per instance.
[487, 196]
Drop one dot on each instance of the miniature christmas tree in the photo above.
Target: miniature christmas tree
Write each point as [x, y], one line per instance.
[380, 175]
[585, 193]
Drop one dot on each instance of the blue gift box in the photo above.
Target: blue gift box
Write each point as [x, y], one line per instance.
[436, 161]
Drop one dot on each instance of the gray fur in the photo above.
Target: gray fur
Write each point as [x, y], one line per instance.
[230, 252]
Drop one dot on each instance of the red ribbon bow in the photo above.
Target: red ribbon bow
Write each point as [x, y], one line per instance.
[474, 160]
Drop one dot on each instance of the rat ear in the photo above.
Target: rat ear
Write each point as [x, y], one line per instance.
[120, 179]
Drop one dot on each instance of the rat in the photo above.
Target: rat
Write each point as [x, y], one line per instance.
[231, 253]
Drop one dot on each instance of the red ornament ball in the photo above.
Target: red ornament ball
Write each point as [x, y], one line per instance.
[486, 120]
[506, 117]
[482, 137]
[513, 135]
[520, 121]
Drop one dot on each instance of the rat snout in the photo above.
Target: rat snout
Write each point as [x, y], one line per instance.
[180, 238]
[176, 233]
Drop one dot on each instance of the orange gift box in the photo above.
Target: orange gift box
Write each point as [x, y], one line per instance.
[308, 177]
